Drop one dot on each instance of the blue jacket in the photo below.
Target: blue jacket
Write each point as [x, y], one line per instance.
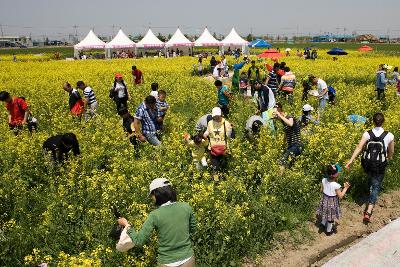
[381, 80]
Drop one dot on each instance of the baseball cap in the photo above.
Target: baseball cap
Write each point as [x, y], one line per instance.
[118, 75]
[307, 107]
[158, 183]
[216, 112]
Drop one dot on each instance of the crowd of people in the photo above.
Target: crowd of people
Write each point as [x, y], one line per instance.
[210, 144]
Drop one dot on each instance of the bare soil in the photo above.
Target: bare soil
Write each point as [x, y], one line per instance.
[316, 248]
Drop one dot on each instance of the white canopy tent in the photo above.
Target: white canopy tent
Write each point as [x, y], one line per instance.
[206, 39]
[233, 40]
[150, 41]
[178, 40]
[119, 41]
[91, 41]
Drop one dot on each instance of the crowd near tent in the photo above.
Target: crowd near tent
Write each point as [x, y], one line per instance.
[206, 39]
[120, 41]
[233, 40]
[91, 41]
[150, 41]
[179, 41]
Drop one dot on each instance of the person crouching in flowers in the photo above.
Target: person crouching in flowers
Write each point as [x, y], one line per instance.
[173, 222]
[198, 145]
[329, 206]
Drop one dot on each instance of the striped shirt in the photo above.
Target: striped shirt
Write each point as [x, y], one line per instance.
[160, 104]
[89, 95]
[273, 81]
[292, 132]
[147, 118]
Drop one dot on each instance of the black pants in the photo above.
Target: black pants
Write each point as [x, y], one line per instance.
[381, 93]
[121, 103]
[225, 110]
[16, 128]
[306, 89]
[218, 163]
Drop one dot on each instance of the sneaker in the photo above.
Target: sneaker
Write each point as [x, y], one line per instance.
[367, 217]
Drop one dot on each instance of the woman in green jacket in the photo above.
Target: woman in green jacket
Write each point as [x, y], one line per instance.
[173, 221]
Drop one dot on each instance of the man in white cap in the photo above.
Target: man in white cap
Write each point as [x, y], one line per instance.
[306, 117]
[218, 131]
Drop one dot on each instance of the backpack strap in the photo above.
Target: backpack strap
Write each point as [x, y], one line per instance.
[371, 135]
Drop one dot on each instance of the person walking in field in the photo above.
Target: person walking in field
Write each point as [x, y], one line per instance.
[287, 85]
[18, 111]
[322, 88]
[377, 147]
[145, 123]
[224, 97]
[76, 104]
[173, 221]
[396, 79]
[272, 79]
[253, 74]
[381, 82]
[119, 92]
[59, 146]
[198, 146]
[137, 76]
[329, 206]
[90, 100]
[162, 108]
[292, 137]
[218, 131]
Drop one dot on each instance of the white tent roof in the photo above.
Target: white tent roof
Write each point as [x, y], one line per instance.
[234, 38]
[150, 40]
[206, 39]
[90, 41]
[121, 41]
[178, 39]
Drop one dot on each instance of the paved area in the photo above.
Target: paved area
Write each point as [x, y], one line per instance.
[381, 248]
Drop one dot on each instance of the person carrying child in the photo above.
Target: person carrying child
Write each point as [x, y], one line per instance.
[198, 145]
[329, 206]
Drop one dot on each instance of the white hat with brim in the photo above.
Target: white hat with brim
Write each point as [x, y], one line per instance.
[158, 183]
[307, 107]
[216, 111]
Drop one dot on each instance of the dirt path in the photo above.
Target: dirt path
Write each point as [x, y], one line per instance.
[319, 248]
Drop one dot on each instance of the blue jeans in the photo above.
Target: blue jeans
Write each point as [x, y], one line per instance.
[322, 103]
[374, 185]
[292, 152]
[152, 139]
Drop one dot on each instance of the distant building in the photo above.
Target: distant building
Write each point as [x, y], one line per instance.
[15, 41]
[329, 38]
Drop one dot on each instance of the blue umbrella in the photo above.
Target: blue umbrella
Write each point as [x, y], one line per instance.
[259, 43]
[337, 52]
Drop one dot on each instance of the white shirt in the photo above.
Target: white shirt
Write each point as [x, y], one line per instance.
[215, 71]
[252, 119]
[377, 132]
[321, 85]
[330, 187]
[120, 89]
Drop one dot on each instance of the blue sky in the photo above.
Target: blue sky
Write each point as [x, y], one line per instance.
[56, 18]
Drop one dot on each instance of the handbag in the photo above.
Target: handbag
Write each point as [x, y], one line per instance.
[220, 150]
[125, 242]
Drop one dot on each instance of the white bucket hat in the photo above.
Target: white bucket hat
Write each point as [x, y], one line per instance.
[216, 111]
[307, 107]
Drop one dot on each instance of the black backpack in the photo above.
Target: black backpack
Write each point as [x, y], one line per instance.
[374, 157]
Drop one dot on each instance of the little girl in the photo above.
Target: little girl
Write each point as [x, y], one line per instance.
[329, 207]
[198, 144]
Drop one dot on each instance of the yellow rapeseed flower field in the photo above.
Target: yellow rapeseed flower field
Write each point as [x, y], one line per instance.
[63, 217]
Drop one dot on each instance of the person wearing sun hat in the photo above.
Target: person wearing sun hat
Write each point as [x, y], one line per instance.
[218, 131]
[119, 92]
[173, 222]
[329, 207]
[306, 117]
